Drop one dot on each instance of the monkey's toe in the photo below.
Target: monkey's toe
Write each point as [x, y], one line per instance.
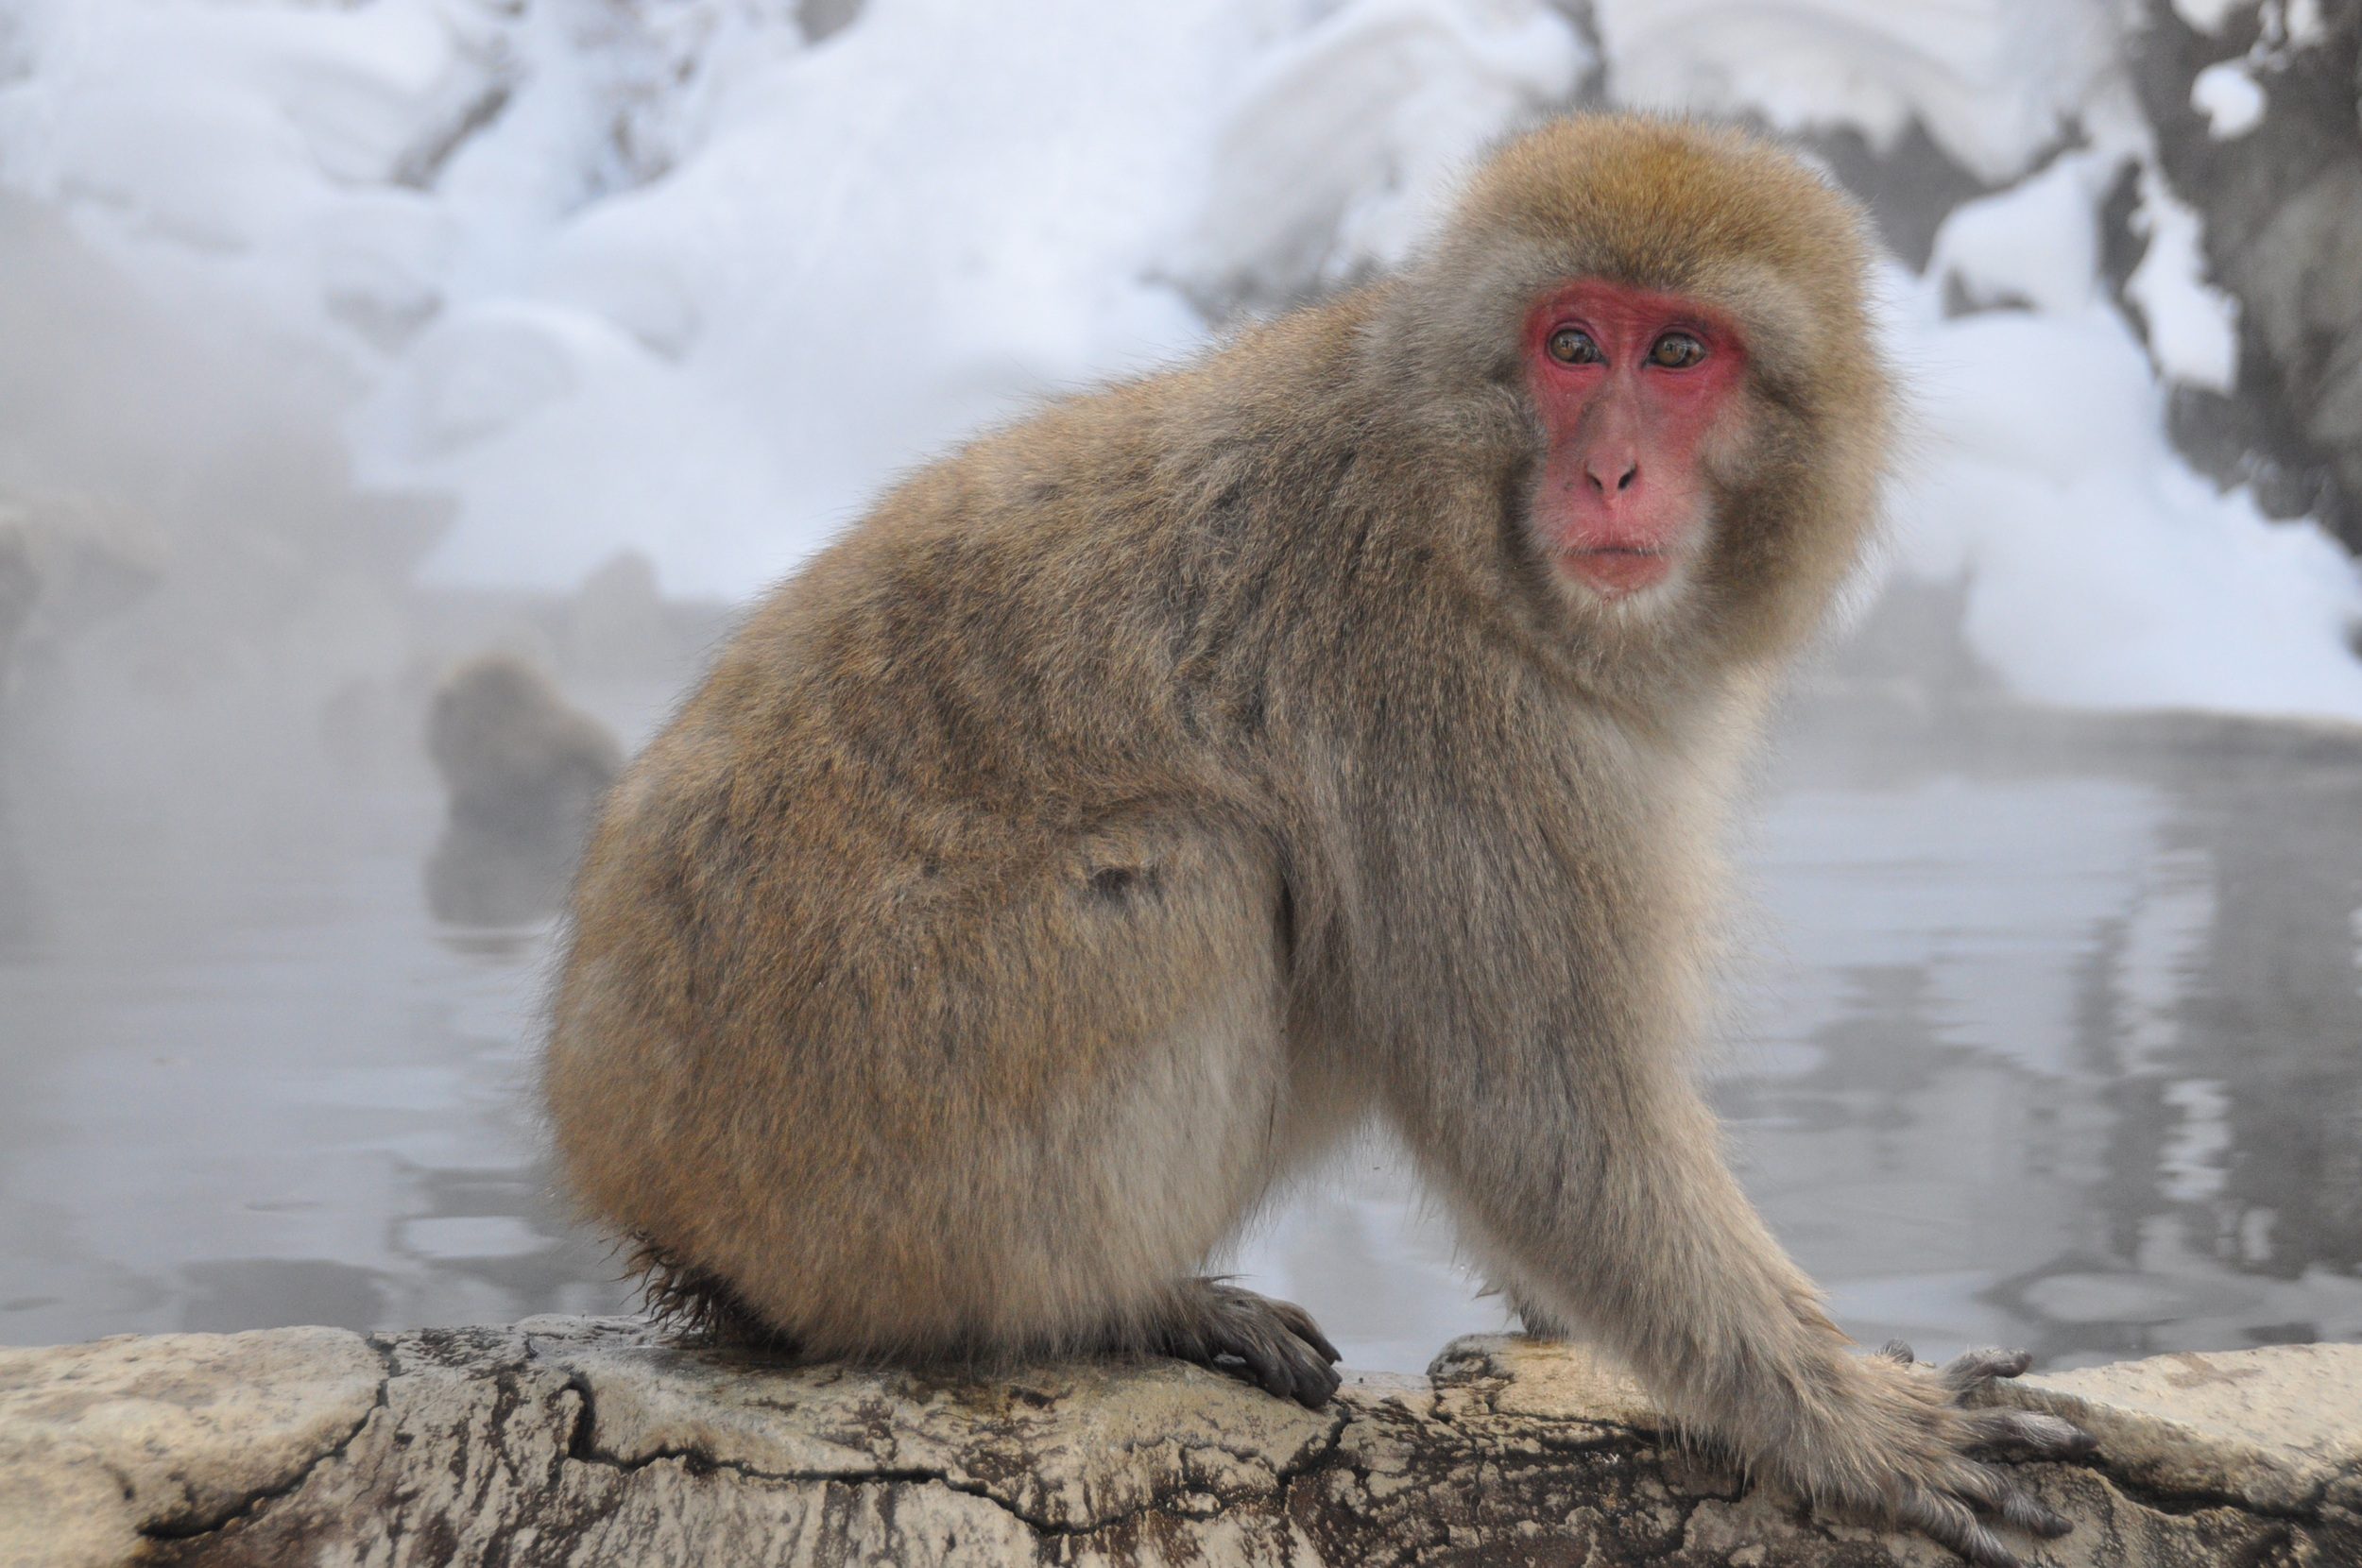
[1948, 1522]
[1954, 1455]
[2030, 1432]
[1952, 1514]
[1271, 1343]
[1975, 1369]
[1536, 1321]
[1299, 1322]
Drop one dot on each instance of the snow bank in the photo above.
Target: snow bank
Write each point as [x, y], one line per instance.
[868, 248]
[2100, 570]
[2193, 328]
[1338, 149]
[670, 275]
[2229, 96]
[1993, 81]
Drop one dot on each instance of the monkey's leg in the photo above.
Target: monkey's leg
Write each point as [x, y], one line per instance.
[1015, 1126]
[1230, 1329]
[1597, 1174]
[1536, 1318]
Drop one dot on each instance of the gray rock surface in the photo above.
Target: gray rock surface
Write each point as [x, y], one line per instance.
[2282, 200]
[573, 1440]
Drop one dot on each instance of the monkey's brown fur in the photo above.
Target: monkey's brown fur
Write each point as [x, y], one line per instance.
[1150, 792]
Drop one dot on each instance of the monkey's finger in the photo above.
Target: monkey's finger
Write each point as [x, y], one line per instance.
[1299, 1322]
[1281, 1364]
[1312, 1380]
[1286, 1368]
[1266, 1366]
[1978, 1368]
[1994, 1492]
[1316, 1385]
[1947, 1522]
[2030, 1431]
[1265, 1371]
[2027, 1512]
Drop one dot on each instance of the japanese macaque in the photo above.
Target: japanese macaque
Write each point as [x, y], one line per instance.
[524, 770]
[1338, 726]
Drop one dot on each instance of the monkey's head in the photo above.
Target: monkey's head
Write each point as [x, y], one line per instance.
[1657, 335]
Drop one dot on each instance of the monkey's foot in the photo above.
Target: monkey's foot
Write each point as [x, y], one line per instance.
[696, 1303]
[1273, 1344]
[1535, 1321]
[1933, 1486]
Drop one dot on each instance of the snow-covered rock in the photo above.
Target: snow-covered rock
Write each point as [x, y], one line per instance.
[2253, 111]
[696, 278]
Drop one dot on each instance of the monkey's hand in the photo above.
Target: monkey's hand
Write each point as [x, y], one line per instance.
[1905, 1458]
[1230, 1329]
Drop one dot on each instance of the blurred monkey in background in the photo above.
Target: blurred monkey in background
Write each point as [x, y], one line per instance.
[523, 770]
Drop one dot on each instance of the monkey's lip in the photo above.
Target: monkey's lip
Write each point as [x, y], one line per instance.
[1617, 569]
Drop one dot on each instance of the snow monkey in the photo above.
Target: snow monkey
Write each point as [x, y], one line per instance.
[1337, 727]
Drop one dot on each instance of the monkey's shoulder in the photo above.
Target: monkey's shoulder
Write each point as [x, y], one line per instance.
[1090, 467]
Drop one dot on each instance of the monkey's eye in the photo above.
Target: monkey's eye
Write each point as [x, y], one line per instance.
[1573, 345]
[1677, 351]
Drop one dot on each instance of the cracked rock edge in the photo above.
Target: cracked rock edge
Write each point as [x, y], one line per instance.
[1074, 1455]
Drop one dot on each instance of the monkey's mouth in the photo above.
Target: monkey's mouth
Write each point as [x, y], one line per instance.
[1617, 569]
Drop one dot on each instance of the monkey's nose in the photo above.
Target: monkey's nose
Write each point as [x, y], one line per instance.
[1627, 473]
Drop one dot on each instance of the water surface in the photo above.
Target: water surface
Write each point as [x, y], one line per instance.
[2053, 1037]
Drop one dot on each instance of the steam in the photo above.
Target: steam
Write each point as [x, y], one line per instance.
[189, 569]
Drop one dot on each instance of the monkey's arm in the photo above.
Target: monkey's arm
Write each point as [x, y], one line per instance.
[1593, 1176]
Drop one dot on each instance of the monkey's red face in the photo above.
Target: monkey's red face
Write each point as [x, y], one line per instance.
[1631, 386]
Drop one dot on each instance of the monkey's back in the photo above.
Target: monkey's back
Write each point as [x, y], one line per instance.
[935, 893]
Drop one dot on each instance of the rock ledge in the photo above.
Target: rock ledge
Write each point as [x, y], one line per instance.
[592, 1440]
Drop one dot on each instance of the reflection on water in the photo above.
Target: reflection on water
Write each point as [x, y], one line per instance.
[282, 1101]
[2057, 1045]
[2055, 1039]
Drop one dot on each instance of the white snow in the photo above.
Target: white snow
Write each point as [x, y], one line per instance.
[2229, 97]
[666, 275]
[2192, 325]
[2208, 16]
[2036, 244]
[864, 250]
[2100, 570]
[1993, 81]
[1339, 148]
